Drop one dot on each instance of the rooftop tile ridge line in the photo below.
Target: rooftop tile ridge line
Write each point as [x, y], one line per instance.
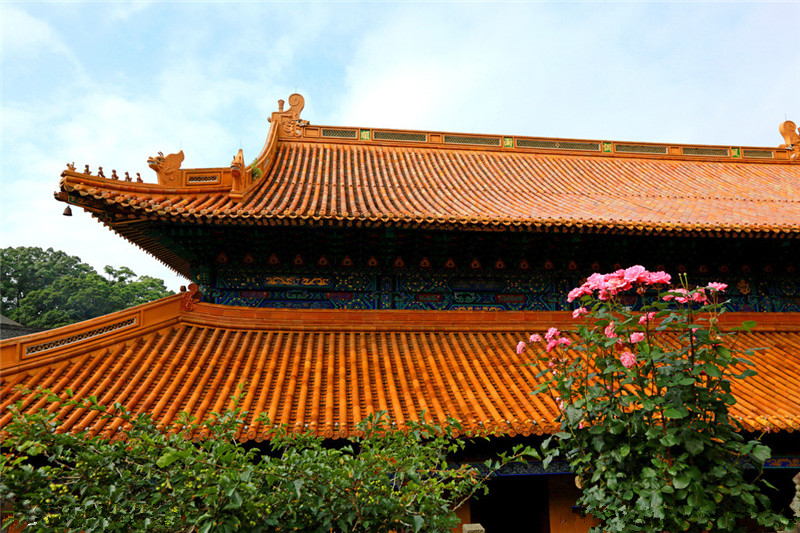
[261, 352]
[82, 417]
[84, 181]
[236, 385]
[120, 378]
[515, 149]
[148, 361]
[221, 205]
[61, 372]
[268, 155]
[14, 390]
[224, 397]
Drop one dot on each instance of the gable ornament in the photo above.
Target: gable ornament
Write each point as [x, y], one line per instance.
[289, 122]
[791, 136]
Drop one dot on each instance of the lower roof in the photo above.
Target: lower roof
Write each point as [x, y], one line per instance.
[324, 370]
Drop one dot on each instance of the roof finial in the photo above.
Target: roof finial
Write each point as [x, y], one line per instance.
[289, 122]
[790, 135]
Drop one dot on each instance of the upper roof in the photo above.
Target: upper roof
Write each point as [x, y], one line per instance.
[325, 370]
[318, 175]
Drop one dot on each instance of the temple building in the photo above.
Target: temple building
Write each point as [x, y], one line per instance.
[348, 270]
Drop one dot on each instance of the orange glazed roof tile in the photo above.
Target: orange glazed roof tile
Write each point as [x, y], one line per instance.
[326, 183]
[325, 370]
[317, 175]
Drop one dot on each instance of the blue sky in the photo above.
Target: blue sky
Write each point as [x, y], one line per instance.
[111, 83]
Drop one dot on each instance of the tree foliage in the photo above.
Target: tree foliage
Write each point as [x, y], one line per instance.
[48, 289]
[198, 477]
[644, 419]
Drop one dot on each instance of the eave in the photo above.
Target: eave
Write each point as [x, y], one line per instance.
[321, 176]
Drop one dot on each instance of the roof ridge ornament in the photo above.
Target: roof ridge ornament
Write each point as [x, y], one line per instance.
[791, 135]
[289, 122]
[167, 167]
[238, 171]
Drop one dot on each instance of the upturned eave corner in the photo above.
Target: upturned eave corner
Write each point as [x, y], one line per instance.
[284, 124]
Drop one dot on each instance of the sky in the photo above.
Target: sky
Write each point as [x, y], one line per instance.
[112, 83]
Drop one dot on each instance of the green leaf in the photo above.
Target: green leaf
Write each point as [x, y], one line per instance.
[546, 461]
[418, 522]
[694, 446]
[681, 481]
[298, 484]
[761, 453]
[747, 325]
[235, 501]
[168, 458]
[722, 351]
[671, 412]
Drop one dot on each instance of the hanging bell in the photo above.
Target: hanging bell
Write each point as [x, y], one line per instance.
[68, 212]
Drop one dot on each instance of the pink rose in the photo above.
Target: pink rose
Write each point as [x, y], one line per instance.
[579, 312]
[609, 331]
[594, 282]
[700, 296]
[565, 341]
[536, 338]
[637, 337]
[636, 274]
[520, 347]
[682, 299]
[658, 277]
[551, 344]
[615, 283]
[647, 317]
[578, 292]
[715, 286]
[551, 334]
[627, 359]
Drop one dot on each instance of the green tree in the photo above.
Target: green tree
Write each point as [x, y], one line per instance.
[48, 289]
[198, 477]
[23, 270]
[644, 397]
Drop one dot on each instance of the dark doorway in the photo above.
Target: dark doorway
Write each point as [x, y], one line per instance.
[514, 504]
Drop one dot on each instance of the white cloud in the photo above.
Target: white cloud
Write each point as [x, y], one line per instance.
[125, 10]
[651, 72]
[24, 37]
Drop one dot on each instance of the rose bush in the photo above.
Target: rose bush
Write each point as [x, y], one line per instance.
[644, 396]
